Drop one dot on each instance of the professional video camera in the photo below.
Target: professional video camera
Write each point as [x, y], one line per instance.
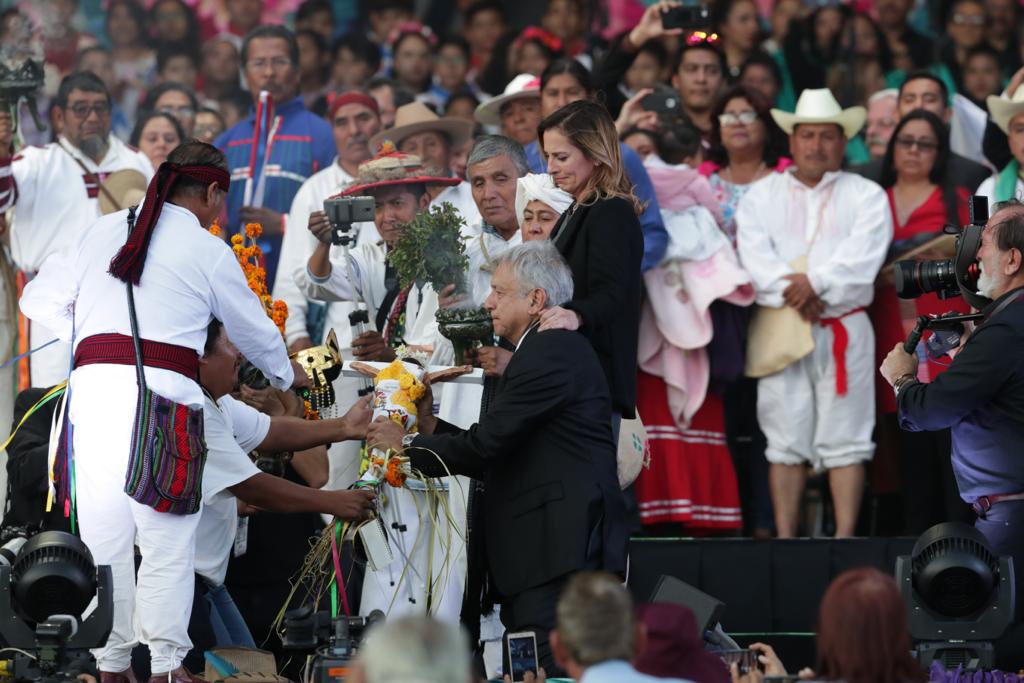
[334, 642]
[948, 278]
[45, 592]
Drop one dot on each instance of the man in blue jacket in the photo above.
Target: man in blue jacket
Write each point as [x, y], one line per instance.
[291, 143]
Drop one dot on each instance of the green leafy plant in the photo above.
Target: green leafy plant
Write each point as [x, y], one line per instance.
[431, 249]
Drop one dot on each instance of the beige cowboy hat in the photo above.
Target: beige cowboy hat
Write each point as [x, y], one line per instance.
[820, 106]
[416, 117]
[1003, 109]
[523, 86]
[127, 187]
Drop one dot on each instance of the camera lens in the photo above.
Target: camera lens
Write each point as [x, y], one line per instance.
[914, 278]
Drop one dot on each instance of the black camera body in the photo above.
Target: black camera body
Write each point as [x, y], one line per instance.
[343, 212]
[949, 277]
[334, 642]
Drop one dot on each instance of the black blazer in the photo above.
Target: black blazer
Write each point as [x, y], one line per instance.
[545, 454]
[604, 246]
[960, 172]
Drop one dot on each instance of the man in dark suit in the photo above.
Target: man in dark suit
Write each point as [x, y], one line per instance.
[544, 450]
[925, 90]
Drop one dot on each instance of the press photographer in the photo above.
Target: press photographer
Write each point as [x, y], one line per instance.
[981, 396]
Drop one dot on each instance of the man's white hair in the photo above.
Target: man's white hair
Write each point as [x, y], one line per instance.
[882, 94]
[538, 265]
[416, 650]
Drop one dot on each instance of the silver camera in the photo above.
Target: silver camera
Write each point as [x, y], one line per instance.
[343, 212]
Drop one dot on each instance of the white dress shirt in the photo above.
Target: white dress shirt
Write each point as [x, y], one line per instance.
[842, 225]
[55, 202]
[461, 197]
[298, 245]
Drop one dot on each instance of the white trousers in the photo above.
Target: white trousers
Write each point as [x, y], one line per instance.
[802, 416]
[50, 365]
[155, 608]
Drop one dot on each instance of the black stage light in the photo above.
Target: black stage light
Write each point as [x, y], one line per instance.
[960, 596]
[44, 596]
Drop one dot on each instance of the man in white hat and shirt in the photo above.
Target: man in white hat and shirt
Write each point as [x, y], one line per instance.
[1008, 114]
[516, 111]
[421, 132]
[56, 190]
[355, 118]
[813, 239]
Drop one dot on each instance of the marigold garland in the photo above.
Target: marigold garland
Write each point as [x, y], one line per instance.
[249, 257]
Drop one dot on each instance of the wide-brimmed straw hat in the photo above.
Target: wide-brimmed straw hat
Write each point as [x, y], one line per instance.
[126, 186]
[820, 106]
[416, 117]
[523, 86]
[393, 168]
[1003, 110]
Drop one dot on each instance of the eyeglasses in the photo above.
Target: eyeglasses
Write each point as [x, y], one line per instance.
[926, 146]
[82, 110]
[276, 63]
[969, 19]
[744, 117]
[698, 37]
[178, 111]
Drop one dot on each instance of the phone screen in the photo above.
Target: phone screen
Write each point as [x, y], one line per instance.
[522, 654]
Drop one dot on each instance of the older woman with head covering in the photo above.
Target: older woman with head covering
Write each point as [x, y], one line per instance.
[539, 203]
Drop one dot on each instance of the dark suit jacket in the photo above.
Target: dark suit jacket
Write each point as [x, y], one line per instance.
[960, 172]
[545, 454]
[604, 246]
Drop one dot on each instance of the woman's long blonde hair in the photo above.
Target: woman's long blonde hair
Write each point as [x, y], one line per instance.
[590, 128]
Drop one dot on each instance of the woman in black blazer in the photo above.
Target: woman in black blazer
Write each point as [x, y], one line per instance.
[600, 236]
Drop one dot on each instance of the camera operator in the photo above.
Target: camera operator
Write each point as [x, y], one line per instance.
[981, 396]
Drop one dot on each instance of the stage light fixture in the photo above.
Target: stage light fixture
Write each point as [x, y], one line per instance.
[960, 596]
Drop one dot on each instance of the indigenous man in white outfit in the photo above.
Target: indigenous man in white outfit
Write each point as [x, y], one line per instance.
[190, 277]
[232, 430]
[401, 315]
[813, 239]
[421, 132]
[355, 118]
[55, 192]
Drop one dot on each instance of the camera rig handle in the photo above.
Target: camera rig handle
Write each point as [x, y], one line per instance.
[926, 322]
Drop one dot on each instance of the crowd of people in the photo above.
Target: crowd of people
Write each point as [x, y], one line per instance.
[684, 237]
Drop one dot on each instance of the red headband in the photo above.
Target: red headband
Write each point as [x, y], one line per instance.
[354, 98]
[127, 264]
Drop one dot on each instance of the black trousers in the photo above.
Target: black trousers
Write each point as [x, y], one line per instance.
[534, 610]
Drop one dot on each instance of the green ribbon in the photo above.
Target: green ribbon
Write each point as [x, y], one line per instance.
[1006, 181]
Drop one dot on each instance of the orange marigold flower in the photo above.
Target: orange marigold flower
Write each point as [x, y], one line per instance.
[237, 239]
[215, 229]
[253, 230]
[395, 476]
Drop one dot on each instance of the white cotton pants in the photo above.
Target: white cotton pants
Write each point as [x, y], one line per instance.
[154, 608]
[48, 366]
[802, 416]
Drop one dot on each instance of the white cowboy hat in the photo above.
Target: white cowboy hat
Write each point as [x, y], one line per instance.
[416, 117]
[519, 88]
[1003, 110]
[819, 106]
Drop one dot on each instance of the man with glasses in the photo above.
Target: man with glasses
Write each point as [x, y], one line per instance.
[289, 146]
[55, 191]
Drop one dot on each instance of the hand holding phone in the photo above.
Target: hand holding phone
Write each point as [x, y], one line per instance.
[522, 657]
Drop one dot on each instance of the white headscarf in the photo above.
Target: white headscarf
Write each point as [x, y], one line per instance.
[541, 187]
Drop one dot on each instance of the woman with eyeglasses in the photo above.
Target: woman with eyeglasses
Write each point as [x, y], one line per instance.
[913, 175]
[746, 145]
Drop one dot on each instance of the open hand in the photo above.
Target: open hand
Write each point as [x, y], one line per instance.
[633, 115]
[558, 318]
[650, 26]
